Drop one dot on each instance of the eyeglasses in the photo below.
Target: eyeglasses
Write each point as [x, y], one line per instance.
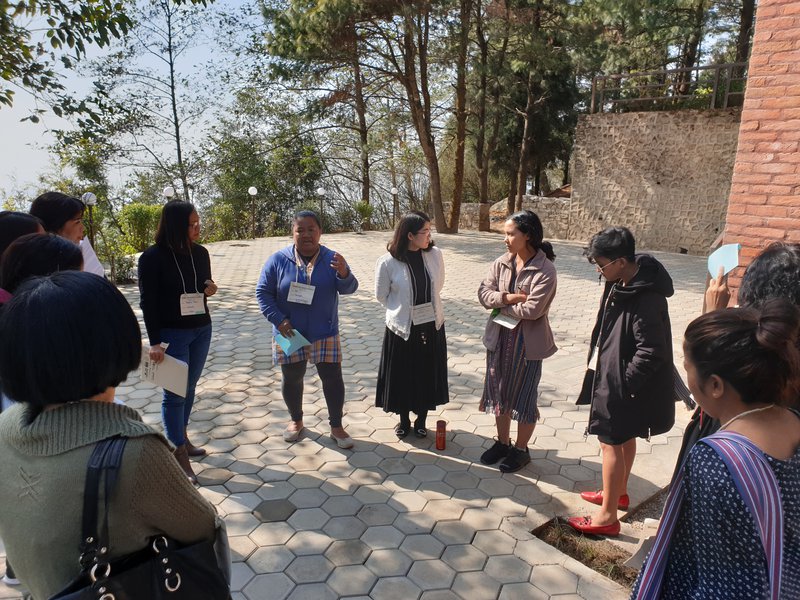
[601, 268]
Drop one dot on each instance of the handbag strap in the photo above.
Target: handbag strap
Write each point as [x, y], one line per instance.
[756, 483]
[105, 460]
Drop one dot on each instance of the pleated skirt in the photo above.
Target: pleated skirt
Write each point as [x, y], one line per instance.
[412, 375]
[512, 382]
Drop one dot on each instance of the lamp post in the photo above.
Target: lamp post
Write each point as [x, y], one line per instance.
[321, 194]
[89, 199]
[168, 193]
[253, 191]
[395, 205]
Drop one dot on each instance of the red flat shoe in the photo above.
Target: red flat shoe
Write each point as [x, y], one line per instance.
[584, 525]
[597, 498]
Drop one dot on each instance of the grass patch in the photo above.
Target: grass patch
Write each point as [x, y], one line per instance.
[597, 554]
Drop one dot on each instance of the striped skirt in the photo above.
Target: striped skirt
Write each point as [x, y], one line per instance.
[512, 383]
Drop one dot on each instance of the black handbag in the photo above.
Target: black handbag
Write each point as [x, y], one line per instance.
[164, 569]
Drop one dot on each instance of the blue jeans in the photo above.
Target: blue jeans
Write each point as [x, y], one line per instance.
[190, 346]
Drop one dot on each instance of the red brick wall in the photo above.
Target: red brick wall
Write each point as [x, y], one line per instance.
[764, 203]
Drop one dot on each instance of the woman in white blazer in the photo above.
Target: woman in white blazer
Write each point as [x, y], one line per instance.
[412, 376]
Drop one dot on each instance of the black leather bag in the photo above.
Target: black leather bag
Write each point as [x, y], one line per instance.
[164, 569]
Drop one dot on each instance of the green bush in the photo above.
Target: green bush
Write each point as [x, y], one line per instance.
[139, 223]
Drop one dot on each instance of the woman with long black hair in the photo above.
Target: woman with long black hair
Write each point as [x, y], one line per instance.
[175, 283]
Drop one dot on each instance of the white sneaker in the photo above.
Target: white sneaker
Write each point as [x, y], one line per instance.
[345, 443]
[10, 580]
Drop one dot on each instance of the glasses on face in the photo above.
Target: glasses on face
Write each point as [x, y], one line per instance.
[601, 268]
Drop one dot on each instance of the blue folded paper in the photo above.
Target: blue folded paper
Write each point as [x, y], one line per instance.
[292, 344]
[726, 256]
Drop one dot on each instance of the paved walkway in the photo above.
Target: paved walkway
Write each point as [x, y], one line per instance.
[396, 519]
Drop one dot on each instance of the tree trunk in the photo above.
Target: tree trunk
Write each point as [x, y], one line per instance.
[512, 193]
[173, 93]
[692, 47]
[527, 139]
[415, 45]
[461, 113]
[361, 112]
[745, 30]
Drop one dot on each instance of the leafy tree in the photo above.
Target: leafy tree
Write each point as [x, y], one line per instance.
[38, 34]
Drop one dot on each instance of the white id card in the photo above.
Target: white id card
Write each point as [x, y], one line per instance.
[506, 321]
[301, 293]
[192, 304]
[422, 313]
[593, 360]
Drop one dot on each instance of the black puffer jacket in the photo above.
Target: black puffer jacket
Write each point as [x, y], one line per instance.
[631, 393]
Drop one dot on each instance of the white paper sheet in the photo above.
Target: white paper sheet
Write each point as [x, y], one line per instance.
[171, 374]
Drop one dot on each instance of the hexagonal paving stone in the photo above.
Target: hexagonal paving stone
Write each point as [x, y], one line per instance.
[464, 558]
[508, 569]
[431, 574]
[395, 466]
[475, 585]
[241, 523]
[341, 506]
[494, 542]
[344, 528]
[398, 588]
[428, 473]
[443, 510]
[308, 518]
[214, 476]
[309, 569]
[481, 518]
[372, 494]
[422, 547]
[308, 498]
[407, 502]
[377, 514]
[272, 534]
[270, 511]
[352, 580]
[554, 579]
[241, 547]
[388, 563]
[305, 543]
[414, 522]
[274, 586]
[454, 532]
[270, 559]
[348, 552]
[526, 591]
[383, 536]
[313, 591]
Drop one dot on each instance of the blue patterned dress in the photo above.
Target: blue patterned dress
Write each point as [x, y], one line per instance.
[716, 553]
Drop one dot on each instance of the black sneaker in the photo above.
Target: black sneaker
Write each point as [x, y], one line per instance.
[495, 453]
[515, 460]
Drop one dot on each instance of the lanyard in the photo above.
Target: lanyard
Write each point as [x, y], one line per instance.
[183, 281]
[307, 268]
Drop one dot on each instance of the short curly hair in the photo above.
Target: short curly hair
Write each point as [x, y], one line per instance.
[775, 273]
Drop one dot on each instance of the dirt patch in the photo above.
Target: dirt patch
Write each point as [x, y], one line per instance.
[597, 553]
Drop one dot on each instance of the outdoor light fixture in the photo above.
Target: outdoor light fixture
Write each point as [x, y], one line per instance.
[321, 194]
[90, 200]
[252, 190]
[169, 192]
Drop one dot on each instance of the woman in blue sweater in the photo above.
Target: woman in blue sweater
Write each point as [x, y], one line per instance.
[298, 292]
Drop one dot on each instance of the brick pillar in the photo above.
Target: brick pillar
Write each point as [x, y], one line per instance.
[764, 203]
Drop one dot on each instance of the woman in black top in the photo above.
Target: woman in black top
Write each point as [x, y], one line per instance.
[174, 284]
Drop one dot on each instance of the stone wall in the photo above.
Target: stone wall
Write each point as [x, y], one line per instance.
[665, 175]
[764, 202]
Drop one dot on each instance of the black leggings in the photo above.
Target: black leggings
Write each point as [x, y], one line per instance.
[332, 389]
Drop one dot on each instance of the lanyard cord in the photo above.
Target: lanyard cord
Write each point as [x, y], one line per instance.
[183, 281]
[426, 292]
[307, 268]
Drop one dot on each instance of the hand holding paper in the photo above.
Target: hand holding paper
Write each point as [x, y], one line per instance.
[292, 344]
[726, 256]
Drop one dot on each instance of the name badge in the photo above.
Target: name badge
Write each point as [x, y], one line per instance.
[301, 293]
[422, 313]
[192, 304]
[506, 321]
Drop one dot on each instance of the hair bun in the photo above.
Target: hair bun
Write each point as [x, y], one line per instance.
[777, 325]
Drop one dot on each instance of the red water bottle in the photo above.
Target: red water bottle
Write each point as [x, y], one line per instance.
[441, 434]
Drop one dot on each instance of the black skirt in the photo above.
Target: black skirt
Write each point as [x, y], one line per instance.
[412, 375]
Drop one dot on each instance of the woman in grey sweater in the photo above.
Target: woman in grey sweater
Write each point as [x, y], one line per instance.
[66, 342]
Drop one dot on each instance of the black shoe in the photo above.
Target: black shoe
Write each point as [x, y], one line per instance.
[419, 428]
[515, 460]
[495, 453]
[402, 428]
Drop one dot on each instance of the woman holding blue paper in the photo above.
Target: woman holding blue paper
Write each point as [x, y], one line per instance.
[174, 284]
[518, 290]
[298, 292]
